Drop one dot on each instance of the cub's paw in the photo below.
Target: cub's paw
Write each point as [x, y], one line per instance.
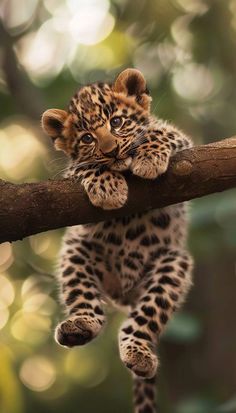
[149, 167]
[139, 359]
[77, 331]
[109, 191]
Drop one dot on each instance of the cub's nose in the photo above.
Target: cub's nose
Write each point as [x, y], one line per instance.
[112, 153]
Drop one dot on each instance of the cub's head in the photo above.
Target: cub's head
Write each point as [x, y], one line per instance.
[104, 124]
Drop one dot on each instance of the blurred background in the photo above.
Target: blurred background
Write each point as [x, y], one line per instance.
[187, 51]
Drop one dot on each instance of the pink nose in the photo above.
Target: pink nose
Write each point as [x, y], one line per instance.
[112, 153]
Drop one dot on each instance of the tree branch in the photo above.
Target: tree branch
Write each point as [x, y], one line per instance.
[28, 209]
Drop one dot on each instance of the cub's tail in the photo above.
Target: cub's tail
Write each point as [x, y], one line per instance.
[144, 391]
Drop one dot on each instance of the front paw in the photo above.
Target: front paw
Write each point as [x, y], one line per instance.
[108, 192]
[149, 167]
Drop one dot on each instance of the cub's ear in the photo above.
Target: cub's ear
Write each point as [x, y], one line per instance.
[53, 124]
[131, 82]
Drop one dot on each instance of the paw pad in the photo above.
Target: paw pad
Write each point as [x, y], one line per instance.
[72, 333]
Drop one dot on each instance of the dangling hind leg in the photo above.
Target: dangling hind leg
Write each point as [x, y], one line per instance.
[144, 392]
[162, 291]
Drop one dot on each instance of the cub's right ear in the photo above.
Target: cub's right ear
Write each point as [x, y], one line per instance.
[53, 123]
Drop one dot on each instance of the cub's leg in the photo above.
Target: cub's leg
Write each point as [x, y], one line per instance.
[163, 289]
[80, 287]
[105, 189]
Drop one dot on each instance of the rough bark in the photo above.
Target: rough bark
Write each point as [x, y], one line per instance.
[32, 208]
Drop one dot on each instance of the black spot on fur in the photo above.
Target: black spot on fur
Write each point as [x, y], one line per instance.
[113, 239]
[163, 318]
[149, 392]
[165, 279]
[141, 320]
[130, 264]
[166, 269]
[134, 233]
[83, 252]
[73, 295]
[98, 310]
[68, 271]
[148, 310]
[89, 269]
[83, 305]
[135, 254]
[88, 295]
[162, 303]
[158, 289]
[146, 409]
[128, 330]
[142, 335]
[98, 273]
[73, 282]
[75, 259]
[86, 244]
[161, 221]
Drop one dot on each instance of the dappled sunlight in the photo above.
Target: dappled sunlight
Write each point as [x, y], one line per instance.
[4, 315]
[46, 52]
[20, 151]
[86, 367]
[39, 303]
[30, 328]
[198, 7]
[18, 18]
[37, 373]
[7, 293]
[11, 395]
[193, 82]
[101, 22]
[6, 256]
[45, 245]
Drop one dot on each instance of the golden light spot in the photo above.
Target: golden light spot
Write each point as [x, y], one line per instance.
[39, 303]
[199, 90]
[16, 144]
[40, 243]
[4, 315]
[30, 286]
[15, 17]
[6, 257]
[37, 373]
[92, 369]
[45, 245]
[7, 293]
[30, 328]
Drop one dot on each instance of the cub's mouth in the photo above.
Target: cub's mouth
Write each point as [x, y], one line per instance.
[120, 164]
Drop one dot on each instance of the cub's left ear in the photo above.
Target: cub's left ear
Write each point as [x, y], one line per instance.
[53, 121]
[132, 83]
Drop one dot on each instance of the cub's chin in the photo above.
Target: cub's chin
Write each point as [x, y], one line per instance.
[121, 164]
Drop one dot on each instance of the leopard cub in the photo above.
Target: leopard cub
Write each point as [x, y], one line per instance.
[140, 262]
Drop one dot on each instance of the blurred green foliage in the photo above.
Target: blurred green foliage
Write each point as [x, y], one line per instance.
[186, 50]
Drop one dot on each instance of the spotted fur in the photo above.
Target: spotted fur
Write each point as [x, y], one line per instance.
[139, 262]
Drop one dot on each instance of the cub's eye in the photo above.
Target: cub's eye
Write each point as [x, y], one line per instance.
[116, 122]
[87, 138]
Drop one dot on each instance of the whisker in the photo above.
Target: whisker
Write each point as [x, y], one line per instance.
[135, 144]
[91, 163]
[60, 172]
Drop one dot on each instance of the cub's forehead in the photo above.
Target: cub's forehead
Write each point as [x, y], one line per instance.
[92, 105]
[91, 98]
